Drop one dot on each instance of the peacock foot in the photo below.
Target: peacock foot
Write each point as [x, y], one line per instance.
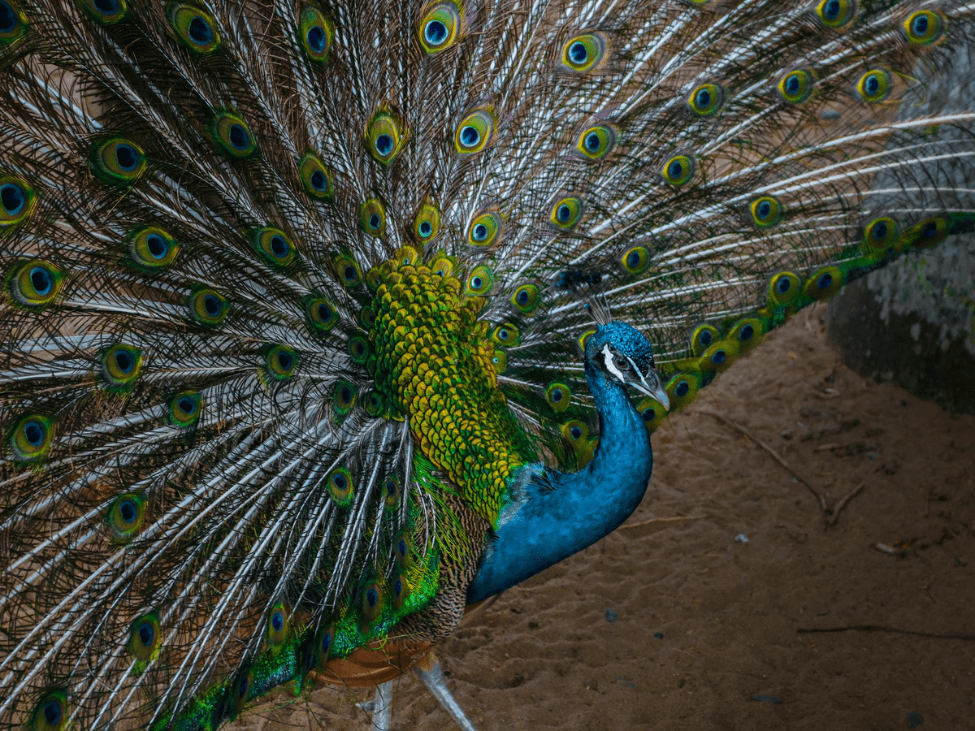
[431, 673]
[381, 707]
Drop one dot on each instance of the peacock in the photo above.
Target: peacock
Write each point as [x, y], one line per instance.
[324, 321]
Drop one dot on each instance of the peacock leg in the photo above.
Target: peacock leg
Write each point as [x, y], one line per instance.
[381, 707]
[429, 671]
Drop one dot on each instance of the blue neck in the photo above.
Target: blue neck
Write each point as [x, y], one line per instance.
[553, 514]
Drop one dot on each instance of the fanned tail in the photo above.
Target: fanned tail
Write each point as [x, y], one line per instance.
[205, 492]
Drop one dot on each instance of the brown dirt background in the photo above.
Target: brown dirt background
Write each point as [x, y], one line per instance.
[704, 624]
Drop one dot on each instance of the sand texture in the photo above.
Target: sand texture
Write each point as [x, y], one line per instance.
[670, 623]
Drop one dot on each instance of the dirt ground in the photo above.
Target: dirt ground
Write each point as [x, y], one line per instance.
[674, 623]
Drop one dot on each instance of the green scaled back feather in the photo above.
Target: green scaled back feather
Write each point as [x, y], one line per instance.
[291, 289]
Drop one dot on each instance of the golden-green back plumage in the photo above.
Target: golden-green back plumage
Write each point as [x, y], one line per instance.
[292, 292]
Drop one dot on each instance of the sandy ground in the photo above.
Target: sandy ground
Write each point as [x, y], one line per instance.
[670, 623]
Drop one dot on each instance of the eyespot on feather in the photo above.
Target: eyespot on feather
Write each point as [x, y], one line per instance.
[576, 433]
[195, 28]
[880, 235]
[385, 137]
[783, 289]
[652, 412]
[238, 691]
[13, 23]
[391, 492]
[443, 265]
[824, 283]
[117, 161]
[104, 12]
[30, 438]
[566, 213]
[559, 396]
[358, 348]
[526, 298]
[484, 229]
[703, 337]
[372, 599]
[125, 516]
[426, 224]
[120, 366]
[340, 487]
[440, 26]
[277, 628]
[475, 132]
[836, 14]
[373, 404]
[719, 356]
[765, 211]
[347, 270]
[796, 86]
[274, 246]
[145, 637]
[924, 28]
[344, 397]
[406, 256]
[636, 261]
[480, 281]
[324, 645]
[281, 362]
[208, 307]
[185, 409]
[499, 362]
[372, 217]
[682, 389]
[316, 179]
[678, 170]
[320, 314]
[583, 339]
[506, 335]
[403, 549]
[584, 53]
[232, 135]
[706, 99]
[17, 201]
[926, 234]
[316, 34]
[33, 284]
[747, 333]
[399, 589]
[151, 249]
[875, 86]
[51, 712]
[595, 143]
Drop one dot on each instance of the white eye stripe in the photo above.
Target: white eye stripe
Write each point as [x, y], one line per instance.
[610, 364]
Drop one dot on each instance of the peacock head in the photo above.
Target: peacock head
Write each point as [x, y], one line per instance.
[621, 353]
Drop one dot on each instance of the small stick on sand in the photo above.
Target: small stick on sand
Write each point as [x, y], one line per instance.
[662, 520]
[775, 455]
[831, 520]
[881, 628]
[891, 550]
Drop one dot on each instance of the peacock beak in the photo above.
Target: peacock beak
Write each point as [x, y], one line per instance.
[653, 387]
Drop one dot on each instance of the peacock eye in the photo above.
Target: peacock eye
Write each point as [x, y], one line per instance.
[622, 363]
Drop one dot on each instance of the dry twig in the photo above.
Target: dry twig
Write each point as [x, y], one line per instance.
[831, 520]
[775, 455]
[881, 628]
[661, 520]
